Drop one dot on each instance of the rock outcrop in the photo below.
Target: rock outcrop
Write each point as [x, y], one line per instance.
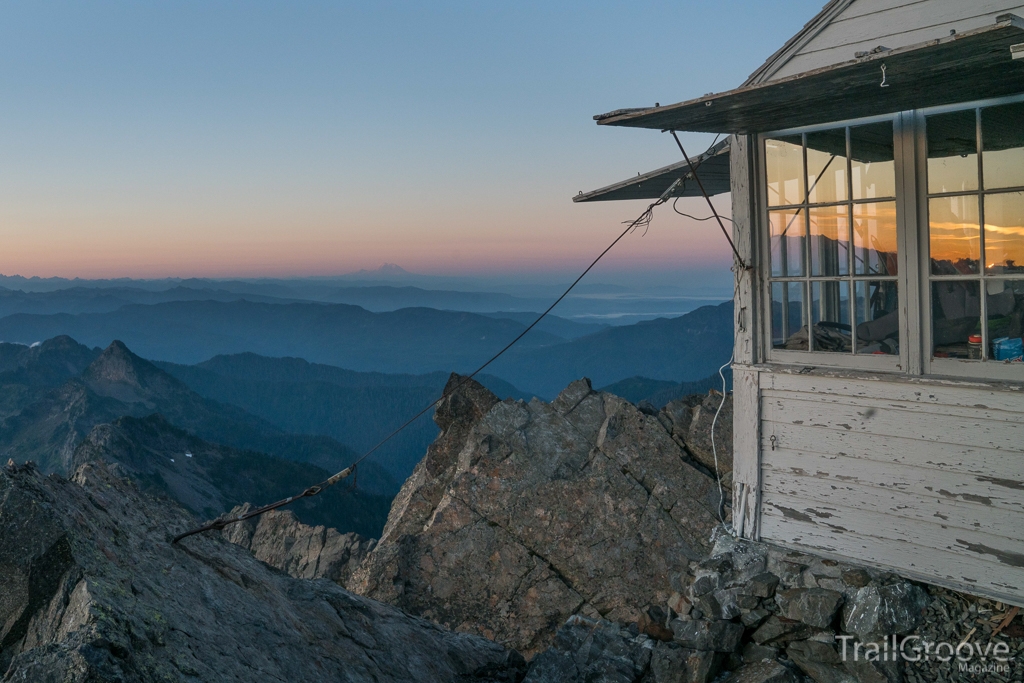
[689, 420]
[305, 552]
[522, 514]
[92, 590]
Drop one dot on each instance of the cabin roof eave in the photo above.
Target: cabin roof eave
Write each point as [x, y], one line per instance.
[712, 167]
[972, 65]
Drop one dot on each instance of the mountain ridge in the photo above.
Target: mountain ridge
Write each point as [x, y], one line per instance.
[119, 383]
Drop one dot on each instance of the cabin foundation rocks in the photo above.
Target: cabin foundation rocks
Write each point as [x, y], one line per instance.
[92, 590]
[523, 514]
[754, 613]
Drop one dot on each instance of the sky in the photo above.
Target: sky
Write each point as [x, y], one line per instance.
[242, 139]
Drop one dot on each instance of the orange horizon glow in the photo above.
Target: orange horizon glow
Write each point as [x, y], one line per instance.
[560, 239]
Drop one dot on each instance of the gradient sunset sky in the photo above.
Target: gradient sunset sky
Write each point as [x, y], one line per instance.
[279, 139]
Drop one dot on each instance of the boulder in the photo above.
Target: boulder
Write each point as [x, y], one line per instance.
[780, 630]
[820, 661]
[813, 606]
[522, 514]
[671, 663]
[587, 650]
[701, 634]
[752, 652]
[882, 610]
[763, 585]
[305, 552]
[93, 590]
[762, 672]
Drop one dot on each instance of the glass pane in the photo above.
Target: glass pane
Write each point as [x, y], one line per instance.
[788, 329]
[1002, 137]
[1005, 302]
[874, 239]
[1004, 233]
[952, 152]
[830, 240]
[830, 314]
[788, 235]
[956, 319]
[954, 235]
[872, 168]
[784, 167]
[878, 318]
[826, 166]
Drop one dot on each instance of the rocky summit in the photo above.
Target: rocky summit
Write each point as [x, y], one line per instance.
[91, 590]
[577, 541]
[523, 514]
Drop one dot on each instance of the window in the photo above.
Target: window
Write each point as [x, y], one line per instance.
[832, 240]
[975, 181]
[927, 205]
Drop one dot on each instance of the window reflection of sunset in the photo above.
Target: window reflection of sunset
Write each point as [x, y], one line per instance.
[830, 222]
[1004, 231]
[954, 229]
[874, 235]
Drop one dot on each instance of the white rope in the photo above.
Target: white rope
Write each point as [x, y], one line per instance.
[714, 449]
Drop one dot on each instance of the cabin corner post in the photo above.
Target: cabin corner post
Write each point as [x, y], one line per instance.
[742, 187]
[746, 353]
[746, 496]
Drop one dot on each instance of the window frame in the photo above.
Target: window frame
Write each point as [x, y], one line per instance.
[910, 152]
[887, 363]
[955, 367]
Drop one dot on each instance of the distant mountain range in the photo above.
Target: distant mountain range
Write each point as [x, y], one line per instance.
[687, 348]
[80, 299]
[659, 392]
[409, 340]
[415, 340]
[591, 305]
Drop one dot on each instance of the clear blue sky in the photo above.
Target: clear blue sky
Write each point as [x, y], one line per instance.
[216, 138]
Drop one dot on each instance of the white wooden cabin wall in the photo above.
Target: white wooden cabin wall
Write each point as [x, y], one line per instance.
[866, 24]
[925, 477]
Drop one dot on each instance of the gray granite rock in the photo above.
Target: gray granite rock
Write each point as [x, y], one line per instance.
[702, 634]
[820, 661]
[92, 590]
[780, 630]
[763, 672]
[522, 514]
[592, 650]
[671, 663]
[883, 610]
[698, 435]
[305, 552]
[762, 585]
[814, 606]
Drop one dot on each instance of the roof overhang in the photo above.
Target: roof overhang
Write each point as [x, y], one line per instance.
[973, 65]
[712, 166]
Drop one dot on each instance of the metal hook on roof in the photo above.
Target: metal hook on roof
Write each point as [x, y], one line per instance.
[883, 84]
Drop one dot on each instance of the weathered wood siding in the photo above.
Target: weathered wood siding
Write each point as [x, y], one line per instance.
[866, 24]
[922, 476]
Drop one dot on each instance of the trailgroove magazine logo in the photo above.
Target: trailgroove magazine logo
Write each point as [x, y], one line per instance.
[971, 657]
